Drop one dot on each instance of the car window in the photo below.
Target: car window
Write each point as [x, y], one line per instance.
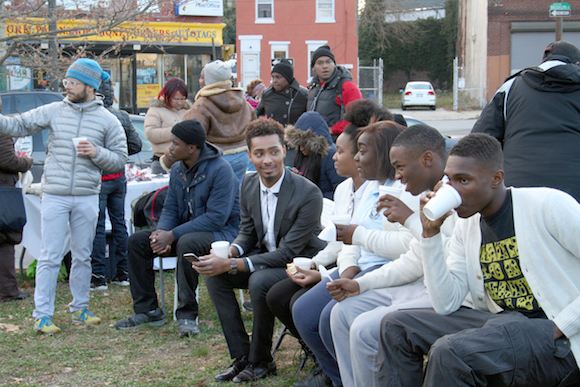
[25, 102]
[49, 98]
[40, 141]
[146, 144]
[7, 105]
[420, 86]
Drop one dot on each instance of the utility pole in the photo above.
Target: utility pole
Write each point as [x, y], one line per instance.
[53, 85]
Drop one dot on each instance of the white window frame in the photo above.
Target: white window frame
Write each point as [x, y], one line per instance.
[325, 19]
[312, 46]
[264, 20]
[279, 46]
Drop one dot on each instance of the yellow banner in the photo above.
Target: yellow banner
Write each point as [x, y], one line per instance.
[139, 32]
[145, 93]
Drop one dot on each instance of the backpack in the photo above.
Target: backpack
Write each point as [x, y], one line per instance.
[147, 208]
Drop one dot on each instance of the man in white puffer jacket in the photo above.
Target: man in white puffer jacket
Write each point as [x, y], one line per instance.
[71, 184]
[516, 250]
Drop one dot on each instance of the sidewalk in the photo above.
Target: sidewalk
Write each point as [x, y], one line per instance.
[439, 114]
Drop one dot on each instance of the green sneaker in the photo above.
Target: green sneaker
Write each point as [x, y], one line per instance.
[84, 316]
[45, 326]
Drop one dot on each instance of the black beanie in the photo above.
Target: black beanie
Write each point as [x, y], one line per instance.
[191, 132]
[322, 51]
[284, 68]
[562, 50]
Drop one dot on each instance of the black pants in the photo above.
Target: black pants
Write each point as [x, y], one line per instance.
[281, 298]
[473, 348]
[8, 283]
[221, 290]
[142, 277]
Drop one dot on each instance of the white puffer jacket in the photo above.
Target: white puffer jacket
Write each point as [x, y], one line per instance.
[66, 173]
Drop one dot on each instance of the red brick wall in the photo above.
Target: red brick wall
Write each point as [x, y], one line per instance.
[295, 21]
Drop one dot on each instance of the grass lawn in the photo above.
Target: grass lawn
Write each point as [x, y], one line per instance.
[392, 100]
[104, 356]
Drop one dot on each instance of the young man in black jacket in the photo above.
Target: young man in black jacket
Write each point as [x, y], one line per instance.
[112, 199]
[285, 100]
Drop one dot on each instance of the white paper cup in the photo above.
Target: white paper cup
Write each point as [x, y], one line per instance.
[221, 249]
[76, 141]
[303, 263]
[340, 219]
[445, 200]
[386, 190]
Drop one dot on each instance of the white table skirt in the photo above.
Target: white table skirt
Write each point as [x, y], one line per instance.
[31, 236]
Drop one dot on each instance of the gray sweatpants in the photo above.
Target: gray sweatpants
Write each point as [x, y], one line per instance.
[356, 322]
[473, 348]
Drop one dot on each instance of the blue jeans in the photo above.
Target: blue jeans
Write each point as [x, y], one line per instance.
[311, 313]
[112, 199]
[239, 163]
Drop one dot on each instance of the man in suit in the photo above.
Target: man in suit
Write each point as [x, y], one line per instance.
[280, 219]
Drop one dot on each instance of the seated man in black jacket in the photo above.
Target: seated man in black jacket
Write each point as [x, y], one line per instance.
[280, 220]
[202, 206]
[285, 100]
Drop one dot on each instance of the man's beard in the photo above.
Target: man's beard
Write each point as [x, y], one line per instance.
[80, 97]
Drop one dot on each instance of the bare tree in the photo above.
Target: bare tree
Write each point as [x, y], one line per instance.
[32, 30]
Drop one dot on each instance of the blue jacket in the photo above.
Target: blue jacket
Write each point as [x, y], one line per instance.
[203, 198]
[312, 132]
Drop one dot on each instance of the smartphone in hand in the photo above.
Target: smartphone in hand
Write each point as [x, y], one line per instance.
[191, 257]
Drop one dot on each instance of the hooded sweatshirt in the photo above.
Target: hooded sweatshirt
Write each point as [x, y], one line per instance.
[311, 132]
[536, 116]
[224, 113]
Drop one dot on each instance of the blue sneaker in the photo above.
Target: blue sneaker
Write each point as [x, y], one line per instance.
[45, 326]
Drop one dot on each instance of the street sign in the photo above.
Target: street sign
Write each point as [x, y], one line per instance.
[560, 10]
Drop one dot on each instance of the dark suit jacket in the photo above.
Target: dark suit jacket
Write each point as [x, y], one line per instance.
[296, 226]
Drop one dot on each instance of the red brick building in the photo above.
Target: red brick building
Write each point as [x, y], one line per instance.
[518, 32]
[269, 29]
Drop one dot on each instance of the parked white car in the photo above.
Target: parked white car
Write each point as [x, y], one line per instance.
[418, 94]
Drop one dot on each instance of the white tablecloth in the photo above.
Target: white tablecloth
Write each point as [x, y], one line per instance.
[31, 238]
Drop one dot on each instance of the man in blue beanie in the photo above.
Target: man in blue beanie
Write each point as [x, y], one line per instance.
[84, 138]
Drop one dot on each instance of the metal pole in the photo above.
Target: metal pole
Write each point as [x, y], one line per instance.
[455, 83]
[559, 28]
[380, 93]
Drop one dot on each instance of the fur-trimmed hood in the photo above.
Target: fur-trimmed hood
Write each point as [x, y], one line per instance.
[155, 102]
[310, 131]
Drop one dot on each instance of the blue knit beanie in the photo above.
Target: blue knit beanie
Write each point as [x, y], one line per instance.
[88, 72]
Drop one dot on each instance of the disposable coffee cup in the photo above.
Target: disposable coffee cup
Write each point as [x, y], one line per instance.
[221, 249]
[76, 141]
[445, 200]
[303, 263]
[340, 219]
[386, 190]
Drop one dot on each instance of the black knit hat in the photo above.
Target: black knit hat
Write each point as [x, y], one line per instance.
[191, 132]
[322, 51]
[285, 69]
[562, 50]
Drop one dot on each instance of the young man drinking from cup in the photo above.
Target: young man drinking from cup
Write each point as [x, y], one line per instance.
[516, 251]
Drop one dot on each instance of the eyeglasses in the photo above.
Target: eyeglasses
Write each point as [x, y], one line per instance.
[66, 82]
[179, 100]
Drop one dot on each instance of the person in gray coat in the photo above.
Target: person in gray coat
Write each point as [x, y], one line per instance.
[84, 139]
